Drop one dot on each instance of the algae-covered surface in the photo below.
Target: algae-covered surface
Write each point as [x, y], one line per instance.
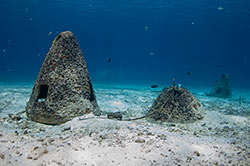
[220, 138]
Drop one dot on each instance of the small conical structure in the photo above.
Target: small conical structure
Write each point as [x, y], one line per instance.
[177, 105]
[223, 87]
[63, 89]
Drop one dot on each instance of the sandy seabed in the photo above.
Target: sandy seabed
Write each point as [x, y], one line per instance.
[221, 138]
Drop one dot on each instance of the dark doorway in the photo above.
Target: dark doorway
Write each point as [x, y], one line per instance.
[43, 93]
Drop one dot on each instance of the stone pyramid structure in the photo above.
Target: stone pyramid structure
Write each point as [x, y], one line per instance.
[177, 105]
[63, 89]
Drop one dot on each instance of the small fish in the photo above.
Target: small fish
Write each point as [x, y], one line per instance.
[50, 33]
[188, 73]
[146, 28]
[220, 8]
[109, 60]
[179, 86]
[154, 86]
[151, 53]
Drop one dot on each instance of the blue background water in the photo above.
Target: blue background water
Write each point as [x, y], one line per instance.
[148, 41]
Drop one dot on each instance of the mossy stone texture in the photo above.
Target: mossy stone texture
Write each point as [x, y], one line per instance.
[177, 105]
[63, 89]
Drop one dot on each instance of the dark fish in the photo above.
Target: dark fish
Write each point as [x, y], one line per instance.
[188, 73]
[109, 60]
[154, 86]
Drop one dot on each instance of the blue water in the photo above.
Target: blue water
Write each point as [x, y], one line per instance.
[148, 41]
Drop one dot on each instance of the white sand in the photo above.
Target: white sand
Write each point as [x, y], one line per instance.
[218, 139]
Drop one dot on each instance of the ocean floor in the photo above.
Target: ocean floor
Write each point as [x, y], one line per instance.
[221, 138]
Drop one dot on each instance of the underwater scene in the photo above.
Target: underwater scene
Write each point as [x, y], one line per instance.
[128, 83]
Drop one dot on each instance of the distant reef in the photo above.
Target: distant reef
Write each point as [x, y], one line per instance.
[222, 88]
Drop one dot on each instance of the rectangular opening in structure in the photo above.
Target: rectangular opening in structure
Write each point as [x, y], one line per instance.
[43, 93]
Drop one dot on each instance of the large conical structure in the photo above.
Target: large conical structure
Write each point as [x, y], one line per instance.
[63, 89]
[176, 104]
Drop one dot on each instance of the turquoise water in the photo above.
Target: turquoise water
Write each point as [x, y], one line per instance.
[132, 100]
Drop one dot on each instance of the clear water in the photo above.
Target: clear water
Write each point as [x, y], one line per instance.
[129, 46]
[149, 42]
